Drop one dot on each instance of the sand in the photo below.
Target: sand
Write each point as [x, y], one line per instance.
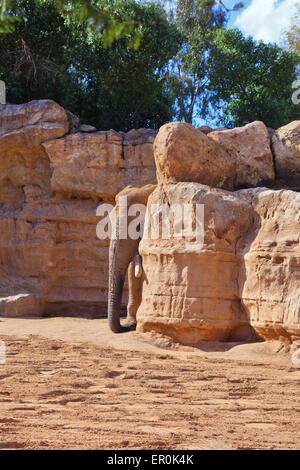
[71, 384]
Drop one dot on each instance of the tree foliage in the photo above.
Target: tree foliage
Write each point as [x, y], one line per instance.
[188, 72]
[199, 20]
[130, 63]
[98, 19]
[252, 80]
[51, 55]
[293, 35]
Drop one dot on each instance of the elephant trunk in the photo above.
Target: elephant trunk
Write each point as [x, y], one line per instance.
[119, 259]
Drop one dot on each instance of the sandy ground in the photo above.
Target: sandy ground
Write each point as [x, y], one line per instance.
[71, 384]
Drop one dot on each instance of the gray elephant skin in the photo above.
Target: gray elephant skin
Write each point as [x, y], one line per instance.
[123, 256]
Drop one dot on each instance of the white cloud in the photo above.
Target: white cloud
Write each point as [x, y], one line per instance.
[266, 19]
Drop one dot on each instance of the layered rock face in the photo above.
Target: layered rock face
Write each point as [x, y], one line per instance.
[192, 292]
[101, 164]
[244, 280]
[52, 179]
[286, 148]
[269, 278]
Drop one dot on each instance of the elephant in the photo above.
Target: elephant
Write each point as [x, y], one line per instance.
[123, 256]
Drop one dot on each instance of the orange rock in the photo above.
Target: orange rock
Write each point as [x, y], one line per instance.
[24, 305]
[191, 292]
[286, 148]
[100, 164]
[183, 153]
[243, 281]
[52, 180]
[269, 278]
[53, 177]
[250, 148]
[24, 162]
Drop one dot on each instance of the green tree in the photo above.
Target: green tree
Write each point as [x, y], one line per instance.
[292, 36]
[99, 20]
[199, 21]
[251, 80]
[35, 58]
[53, 56]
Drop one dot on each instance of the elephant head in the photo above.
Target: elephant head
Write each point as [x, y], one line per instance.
[123, 254]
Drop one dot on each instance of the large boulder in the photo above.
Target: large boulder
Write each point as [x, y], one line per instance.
[183, 153]
[242, 282]
[45, 114]
[250, 148]
[286, 149]
[23, 161]
[191, 291]
[24, 127]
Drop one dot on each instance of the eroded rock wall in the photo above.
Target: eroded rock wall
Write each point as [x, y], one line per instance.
[190, 290]
[269, 278]
[242, 282]
[52, 179]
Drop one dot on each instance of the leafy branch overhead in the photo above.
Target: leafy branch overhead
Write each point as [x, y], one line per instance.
[56, 54]
[98, 19]
[10, 13]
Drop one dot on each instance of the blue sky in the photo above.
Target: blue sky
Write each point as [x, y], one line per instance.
[263, 19]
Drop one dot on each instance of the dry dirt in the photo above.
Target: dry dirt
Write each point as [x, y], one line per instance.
[71, 384]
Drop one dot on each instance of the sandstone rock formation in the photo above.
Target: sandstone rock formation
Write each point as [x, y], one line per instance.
[207, 129]
[52, 179]
[250, 148]
[244, 277]
[286, 149]
[243, 281]
[100, 164]
[23, 161]
[193, 292]
[269, 278]
[183, 153]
